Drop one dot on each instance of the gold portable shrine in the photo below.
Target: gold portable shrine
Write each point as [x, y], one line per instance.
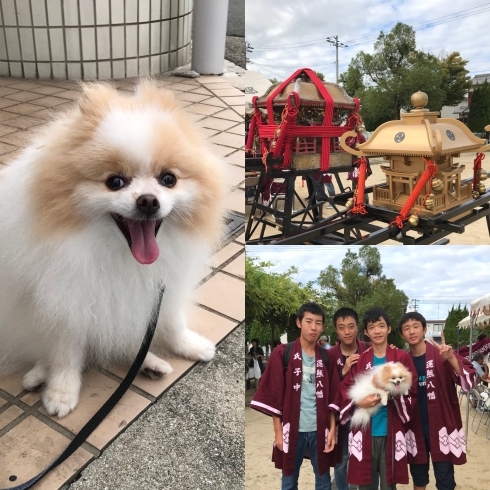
[420, 135]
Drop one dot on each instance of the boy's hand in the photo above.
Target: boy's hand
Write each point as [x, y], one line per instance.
[445, 351]
[330, 444]
[369, 402]
[278, 439]
[349, 362]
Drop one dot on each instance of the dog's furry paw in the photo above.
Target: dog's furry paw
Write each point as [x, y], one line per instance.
[196, 347]
[154, 367]
[59, 403]
[34, 378]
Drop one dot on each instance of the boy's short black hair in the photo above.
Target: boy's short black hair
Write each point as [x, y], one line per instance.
[482, 336]
[311, 307]
[373, 315]
[412, 315]
[344, 313]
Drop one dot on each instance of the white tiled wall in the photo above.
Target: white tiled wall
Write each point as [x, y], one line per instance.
[88, 39]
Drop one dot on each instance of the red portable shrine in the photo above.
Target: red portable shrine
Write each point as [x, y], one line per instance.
[301, 120]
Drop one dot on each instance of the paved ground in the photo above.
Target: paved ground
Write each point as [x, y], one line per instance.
[235, 50]
[236, 18]
[192, 440]
[235, 33]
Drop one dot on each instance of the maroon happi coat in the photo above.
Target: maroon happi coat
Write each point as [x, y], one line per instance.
[447, 437]
[404, 442]
[336, 357]
[279, 393]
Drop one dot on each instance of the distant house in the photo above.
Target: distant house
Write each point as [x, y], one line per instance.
[460, 111]
[434, 329]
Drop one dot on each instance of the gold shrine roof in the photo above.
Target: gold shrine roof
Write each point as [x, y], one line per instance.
[418, 133]
[309, 94]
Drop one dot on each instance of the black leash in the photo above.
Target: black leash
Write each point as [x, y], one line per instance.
[94, 422]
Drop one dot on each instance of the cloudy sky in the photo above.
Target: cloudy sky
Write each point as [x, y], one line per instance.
[277, 29]
[437, 276]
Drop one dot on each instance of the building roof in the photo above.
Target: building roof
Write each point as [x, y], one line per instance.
[477, 79]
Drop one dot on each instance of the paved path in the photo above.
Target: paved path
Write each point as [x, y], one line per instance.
[193, 439]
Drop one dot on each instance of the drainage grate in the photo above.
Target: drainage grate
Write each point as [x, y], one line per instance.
[234, 223]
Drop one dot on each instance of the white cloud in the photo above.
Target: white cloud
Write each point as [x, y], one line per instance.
[291, 21]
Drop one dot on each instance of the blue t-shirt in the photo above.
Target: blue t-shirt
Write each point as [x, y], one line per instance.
[307, 413]
[420, 367]
[379, 421]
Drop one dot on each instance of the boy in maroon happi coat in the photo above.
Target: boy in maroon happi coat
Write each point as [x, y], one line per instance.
[344, 354]
[439, 369]
[302, 400]
[381, 450]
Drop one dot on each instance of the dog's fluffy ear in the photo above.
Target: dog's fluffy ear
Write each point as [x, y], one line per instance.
[96, 98]
[149, 92]
[386, 370]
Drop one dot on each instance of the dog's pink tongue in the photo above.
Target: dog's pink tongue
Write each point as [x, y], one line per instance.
[143, 242]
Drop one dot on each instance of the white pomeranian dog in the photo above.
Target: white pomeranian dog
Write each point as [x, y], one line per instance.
[395, 379]
[114, 199]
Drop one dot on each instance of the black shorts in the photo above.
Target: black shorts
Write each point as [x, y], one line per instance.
[443, 472]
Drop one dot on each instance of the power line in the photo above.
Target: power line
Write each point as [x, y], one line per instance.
[334, 40]
[430, 23]
[354, 42]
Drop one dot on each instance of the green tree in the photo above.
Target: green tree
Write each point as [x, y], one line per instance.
[360, 284]
[272, 301]
[320, 75]
[455, 80]
[451, 327]
[273, 80]
[386, 79]
[352, 79]
[479, 113]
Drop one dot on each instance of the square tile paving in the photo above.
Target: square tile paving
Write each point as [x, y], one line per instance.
[29, 439]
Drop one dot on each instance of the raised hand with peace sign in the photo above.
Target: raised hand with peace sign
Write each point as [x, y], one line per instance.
[446, 352]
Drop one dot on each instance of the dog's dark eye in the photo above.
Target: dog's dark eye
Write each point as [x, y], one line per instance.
[115, 183]
[167, 180]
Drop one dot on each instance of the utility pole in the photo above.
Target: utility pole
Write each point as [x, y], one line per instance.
[414, 303]
[334, 41]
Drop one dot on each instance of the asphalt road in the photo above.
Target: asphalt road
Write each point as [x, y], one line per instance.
[236, 18]
[235, 33]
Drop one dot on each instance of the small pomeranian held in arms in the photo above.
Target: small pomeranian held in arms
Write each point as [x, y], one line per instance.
[112, 200]
[390, 379]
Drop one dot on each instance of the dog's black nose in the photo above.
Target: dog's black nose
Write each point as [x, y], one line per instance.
[148, 204]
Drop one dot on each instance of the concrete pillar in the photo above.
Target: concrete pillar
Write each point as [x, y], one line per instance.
[209, 36]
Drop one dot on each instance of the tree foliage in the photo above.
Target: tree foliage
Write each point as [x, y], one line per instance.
[386, 79]
[451, 327]
[479, 113]
[320, 75]
[272, 301]
[360, 284]
[455, 80]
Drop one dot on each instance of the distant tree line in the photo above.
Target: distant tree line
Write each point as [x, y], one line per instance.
[386, 79]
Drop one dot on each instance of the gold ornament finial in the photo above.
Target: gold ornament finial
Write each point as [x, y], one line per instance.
[413, 220]
[419, 100]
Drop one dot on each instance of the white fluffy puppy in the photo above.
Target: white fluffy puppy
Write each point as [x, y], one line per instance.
[395, 380]
[113, 199]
